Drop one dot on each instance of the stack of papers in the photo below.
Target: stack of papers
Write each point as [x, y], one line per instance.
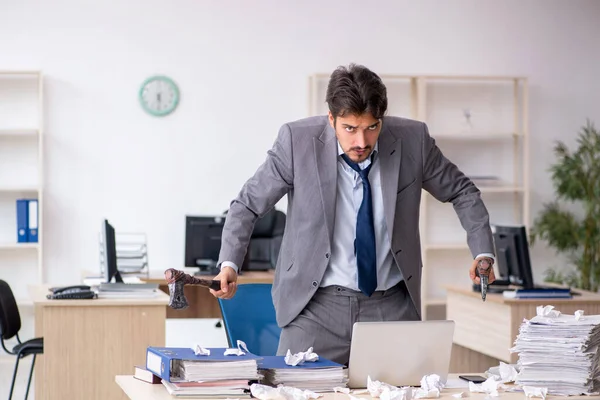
[559, 352]
[214, 369]
[132, 253]
[128, 290]
[321, 375]
[211, 389]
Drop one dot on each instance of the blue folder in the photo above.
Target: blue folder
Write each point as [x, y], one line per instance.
[22, 221]
[278, 362]
[159, 359]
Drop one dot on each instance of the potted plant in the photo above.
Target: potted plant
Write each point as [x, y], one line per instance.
[574, 232]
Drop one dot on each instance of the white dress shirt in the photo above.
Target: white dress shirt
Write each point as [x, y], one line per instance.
[342, 269]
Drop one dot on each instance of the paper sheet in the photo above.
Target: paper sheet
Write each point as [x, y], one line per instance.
[490, 387]
[241, 350]
[264, 392]
[547, 311]
[531, 391]
[431, 386]
[201, 351]
[508, 373]
[301, 357]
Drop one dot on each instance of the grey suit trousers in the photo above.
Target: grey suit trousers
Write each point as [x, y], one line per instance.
[326, 322]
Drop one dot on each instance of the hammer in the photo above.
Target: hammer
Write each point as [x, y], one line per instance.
[177, 279]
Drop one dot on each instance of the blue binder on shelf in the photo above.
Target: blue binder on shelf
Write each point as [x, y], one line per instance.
[22, 221]
[159, 360]
[33, 219]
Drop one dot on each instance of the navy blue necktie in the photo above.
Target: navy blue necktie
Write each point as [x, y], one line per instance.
[364, 244]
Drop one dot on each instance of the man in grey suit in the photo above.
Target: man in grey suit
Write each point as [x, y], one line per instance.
[351, 248]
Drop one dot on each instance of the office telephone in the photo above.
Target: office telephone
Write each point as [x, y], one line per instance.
[72, 292]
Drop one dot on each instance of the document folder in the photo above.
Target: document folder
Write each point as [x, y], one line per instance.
[22, 224]
[160, 360]
[33, 220]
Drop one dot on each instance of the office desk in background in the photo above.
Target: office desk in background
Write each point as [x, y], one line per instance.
[202, 303]
[88, 342]
[485, 331]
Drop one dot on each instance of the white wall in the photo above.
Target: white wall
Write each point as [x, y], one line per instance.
[242, 68]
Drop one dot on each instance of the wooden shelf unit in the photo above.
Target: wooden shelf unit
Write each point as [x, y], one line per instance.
[21, 176]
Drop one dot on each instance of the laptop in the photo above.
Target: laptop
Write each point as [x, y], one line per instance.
[399, 353]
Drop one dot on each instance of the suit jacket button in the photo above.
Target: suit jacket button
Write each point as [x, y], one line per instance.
[326, 255]
[315, 283]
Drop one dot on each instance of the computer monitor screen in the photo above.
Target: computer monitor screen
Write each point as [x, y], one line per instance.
[512, 255]
[203, 241]
[110, 253]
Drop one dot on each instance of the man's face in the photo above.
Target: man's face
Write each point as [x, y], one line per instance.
[357, 134]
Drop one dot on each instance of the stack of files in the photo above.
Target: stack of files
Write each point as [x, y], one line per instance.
[128, 290]
[538, 293]
[216, 375]
[222, 389]
[559, 352]
[132, 253]
[318, 376]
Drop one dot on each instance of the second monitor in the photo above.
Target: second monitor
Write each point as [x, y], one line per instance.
[512, 253]
[203, 243]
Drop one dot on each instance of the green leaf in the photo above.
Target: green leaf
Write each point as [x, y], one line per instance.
[559, 228]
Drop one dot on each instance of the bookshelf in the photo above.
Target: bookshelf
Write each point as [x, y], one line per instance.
[481, 124]
[21, 176]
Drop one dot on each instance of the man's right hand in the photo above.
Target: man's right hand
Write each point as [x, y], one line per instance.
[228, 278]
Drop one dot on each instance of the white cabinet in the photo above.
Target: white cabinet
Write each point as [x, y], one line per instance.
[21, 176]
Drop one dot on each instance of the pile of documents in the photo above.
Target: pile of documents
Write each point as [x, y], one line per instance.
[559, 352]
[211, 372]
[132, 254]
[317, 376]
[128, 290]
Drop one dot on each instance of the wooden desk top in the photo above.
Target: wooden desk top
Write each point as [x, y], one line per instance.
[245, 277]
[38, 294]
[584, 297]
[140, 390]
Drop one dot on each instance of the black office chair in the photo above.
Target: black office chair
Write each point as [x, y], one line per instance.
[10, 325]
[265, 242]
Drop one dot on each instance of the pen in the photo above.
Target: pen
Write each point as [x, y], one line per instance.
[483, 269]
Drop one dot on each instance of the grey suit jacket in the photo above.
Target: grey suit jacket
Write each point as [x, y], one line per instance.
[303, 164]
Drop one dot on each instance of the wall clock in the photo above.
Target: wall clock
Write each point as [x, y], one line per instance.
[159, 95]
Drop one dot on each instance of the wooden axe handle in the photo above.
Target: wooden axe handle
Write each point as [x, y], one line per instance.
[173, 275]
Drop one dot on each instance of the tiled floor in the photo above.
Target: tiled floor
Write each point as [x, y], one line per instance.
[179, 333]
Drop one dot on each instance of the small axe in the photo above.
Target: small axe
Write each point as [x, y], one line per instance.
[177, 279]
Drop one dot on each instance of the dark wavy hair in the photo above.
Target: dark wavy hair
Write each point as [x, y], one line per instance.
[356, 90]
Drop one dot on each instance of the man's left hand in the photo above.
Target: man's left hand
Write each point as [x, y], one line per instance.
[473, 275]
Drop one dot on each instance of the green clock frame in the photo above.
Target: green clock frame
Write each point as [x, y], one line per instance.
[169, 82]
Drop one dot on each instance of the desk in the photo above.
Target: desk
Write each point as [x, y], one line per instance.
[139, 390]
[202, 303]
[88, 342]
[485, 332]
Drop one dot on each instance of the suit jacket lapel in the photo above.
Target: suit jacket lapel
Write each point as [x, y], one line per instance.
[326, 156]
[389, 157]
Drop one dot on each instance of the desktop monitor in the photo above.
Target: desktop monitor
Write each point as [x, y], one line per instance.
[203, 242]
[110, 253]
[512, 255]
